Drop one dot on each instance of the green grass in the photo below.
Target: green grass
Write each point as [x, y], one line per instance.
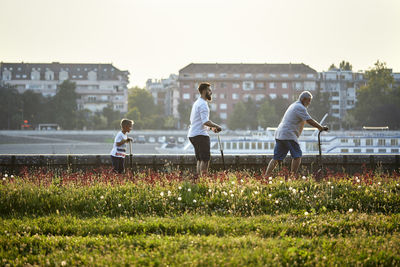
[212, 223]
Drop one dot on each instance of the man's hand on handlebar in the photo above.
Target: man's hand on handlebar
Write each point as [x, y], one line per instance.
[325, 128]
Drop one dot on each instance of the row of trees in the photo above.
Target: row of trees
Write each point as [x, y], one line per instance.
[15, 108]
[378, 104]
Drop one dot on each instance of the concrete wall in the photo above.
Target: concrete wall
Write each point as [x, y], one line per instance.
[341, 163]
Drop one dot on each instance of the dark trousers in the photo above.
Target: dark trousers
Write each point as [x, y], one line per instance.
[118, 164]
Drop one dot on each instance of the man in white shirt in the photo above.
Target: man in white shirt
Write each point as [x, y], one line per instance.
[199, 125]
[289, 130]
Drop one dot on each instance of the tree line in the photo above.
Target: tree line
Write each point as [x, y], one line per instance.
[378, 104]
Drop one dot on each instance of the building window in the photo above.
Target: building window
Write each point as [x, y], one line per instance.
[369, 150]
[260, 85]
[186, 86]
[247, 86]
[344, 140]
[223, 115]
[285, 96]
[284, 85]
[395, 150]
[272, 96]
[394, 142]
[272, 85]
[236, 86]
[248, 75]
[222, 96]
[213, 106]
[381, 142]
[186, 96]
[310, 75]
[297, 75]
[211, 75]
[381, 150]
[223, 85]
[236, 75]
[357, 142]
[235, 96]
[199, 75]
[259, 75]
[272, 75]
[259, 97]
[222, 106]
[357, 150]
[284, 75]
[344, 150]
[298, 86]
[223, 75]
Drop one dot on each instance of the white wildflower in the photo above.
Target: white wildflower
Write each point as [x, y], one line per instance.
[329, 183]
[281, 182]
[304, 178]
[162, 194]
[301, 191]
[332, 186]
[63, 263]
[4, 178]
[241, 180]
[6, 175]
[194, 200]
[270, 178]
[101, 197]
[225, 193]
[230, 191]
[276, 201]
[290, 188]
[232, 195]
[232, 182]
[359, 186]
[315, 196]
[294, 191]
[255, 192]
[180, 187]
[179, 198]
[270, 182]
[379, 183]
[350, 210]
[306, 213]
[270, 195]
[12, 176]
[169, 193]
[119, 205]
[189, 189]
[209, 190]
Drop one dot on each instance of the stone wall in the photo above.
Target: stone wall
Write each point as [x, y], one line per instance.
[342, 163]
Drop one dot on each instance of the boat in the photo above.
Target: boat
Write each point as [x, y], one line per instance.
[369, 140]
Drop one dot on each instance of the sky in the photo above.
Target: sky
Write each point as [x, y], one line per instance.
[154, 38]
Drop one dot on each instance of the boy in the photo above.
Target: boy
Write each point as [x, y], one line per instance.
[119, 148]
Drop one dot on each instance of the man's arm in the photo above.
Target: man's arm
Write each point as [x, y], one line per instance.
[213, 125]
[317, 125]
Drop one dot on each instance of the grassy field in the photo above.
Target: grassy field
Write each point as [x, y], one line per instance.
[234, 219]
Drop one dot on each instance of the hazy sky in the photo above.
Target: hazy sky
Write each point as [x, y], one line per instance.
[153, 38]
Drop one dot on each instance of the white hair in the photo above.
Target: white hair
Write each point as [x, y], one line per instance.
[305, 94]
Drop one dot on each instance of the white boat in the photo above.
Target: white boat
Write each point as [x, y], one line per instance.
[368, 141]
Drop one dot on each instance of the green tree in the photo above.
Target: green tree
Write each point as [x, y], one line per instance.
[378, 102]
[266, 115]
[111, 115]
[237, 119]
[10, 108]
[319, 105]
[64, 105]
[332, 66]
[184, 109]
[344, 65]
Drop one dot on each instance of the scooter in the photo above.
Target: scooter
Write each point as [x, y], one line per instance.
[321, 172]
[222, 152]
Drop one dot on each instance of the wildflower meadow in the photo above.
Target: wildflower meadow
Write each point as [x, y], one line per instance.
[226, 218]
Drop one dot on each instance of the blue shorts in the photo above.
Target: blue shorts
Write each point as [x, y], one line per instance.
[282, 147]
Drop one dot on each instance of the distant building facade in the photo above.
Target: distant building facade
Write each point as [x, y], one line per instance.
[342, 86]
[97, 85]
[165, 93]
[237, 82]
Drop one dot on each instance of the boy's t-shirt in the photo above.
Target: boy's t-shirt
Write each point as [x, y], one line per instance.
[119, 151]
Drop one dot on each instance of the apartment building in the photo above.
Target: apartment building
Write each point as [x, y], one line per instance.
[97, 85]
[341, 86]
[232, 83]
[165, 92]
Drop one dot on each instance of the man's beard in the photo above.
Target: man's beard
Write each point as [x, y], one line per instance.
[208, 96]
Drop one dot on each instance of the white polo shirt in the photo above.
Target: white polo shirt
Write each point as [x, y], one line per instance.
[199, 115]
[292, 122]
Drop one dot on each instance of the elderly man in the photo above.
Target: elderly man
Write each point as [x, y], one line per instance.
[289, 130]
